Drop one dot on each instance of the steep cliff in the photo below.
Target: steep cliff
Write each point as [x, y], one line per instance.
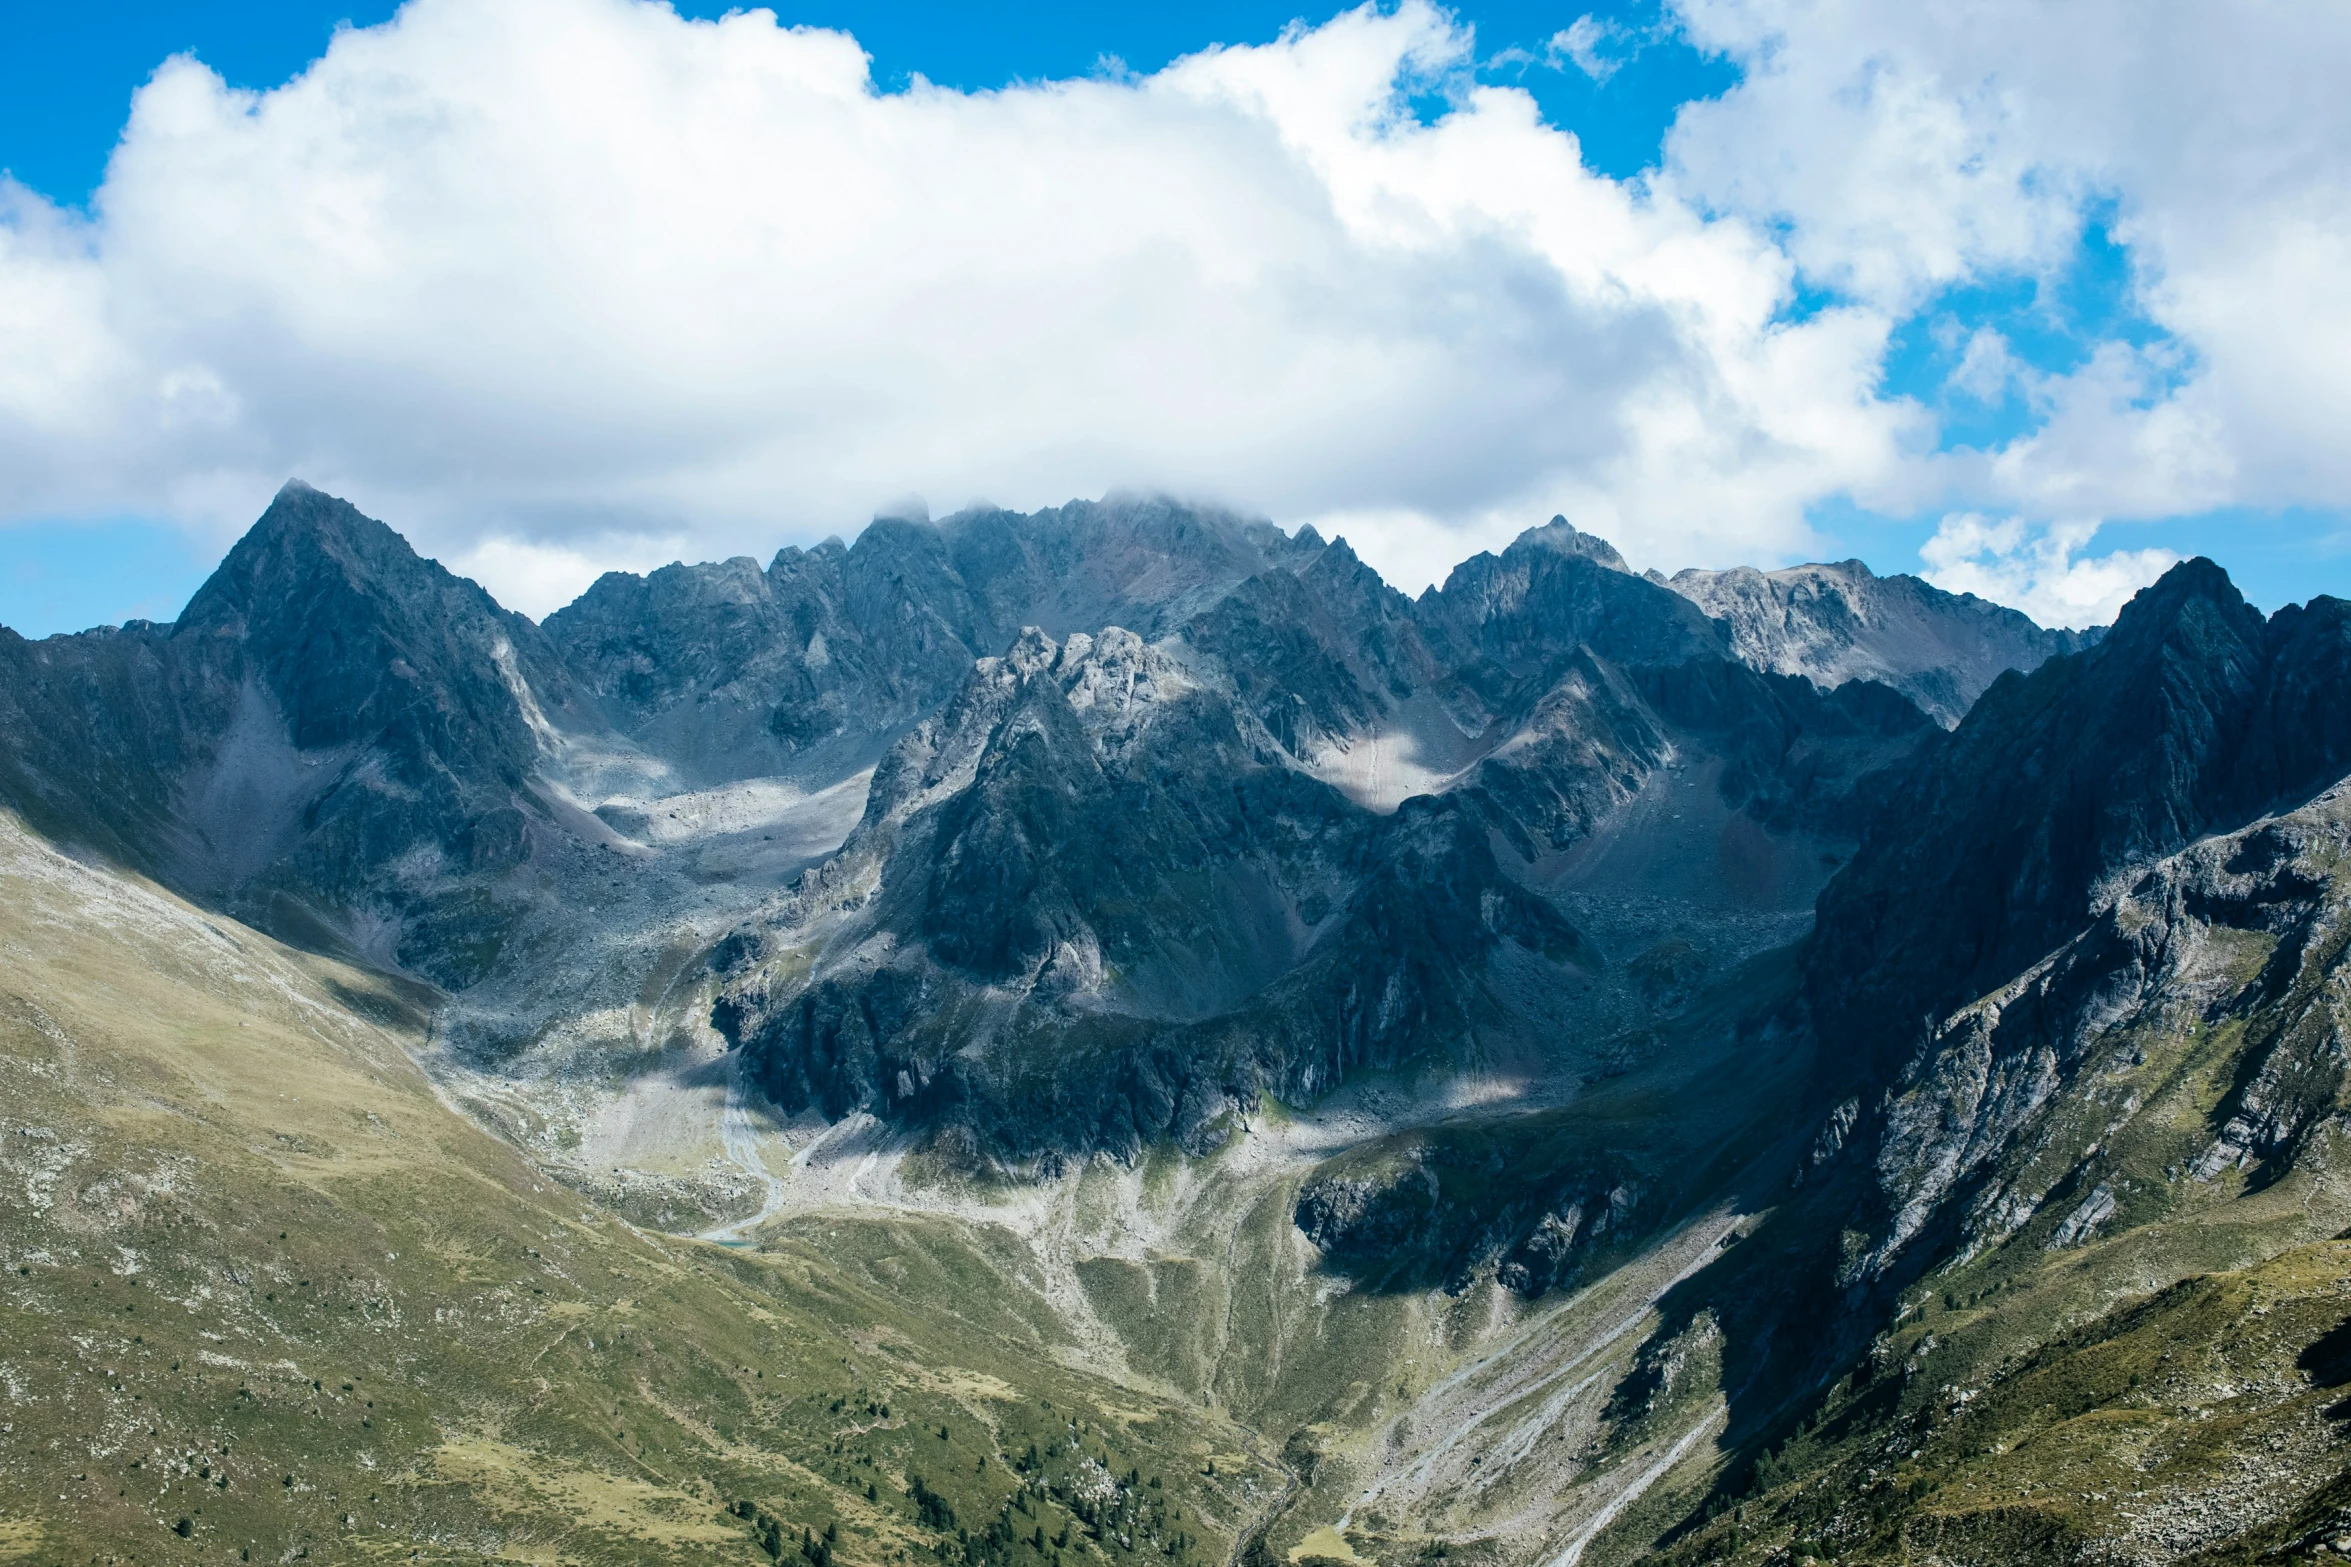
[2006, 837]
[2080, 1114]
[1123, 887]
[810, 668]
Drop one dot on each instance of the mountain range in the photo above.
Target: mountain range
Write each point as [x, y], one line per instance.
[1575, 1066]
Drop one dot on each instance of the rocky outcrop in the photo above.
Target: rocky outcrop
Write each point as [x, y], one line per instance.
[1517, 1205]
[1836, 623]
[1123, 886]
[2006, 837]
[812, 667]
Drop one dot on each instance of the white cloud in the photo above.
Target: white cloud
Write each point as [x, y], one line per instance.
[2037, 569]
[557, 270]
[539, 578]
[2115, 442]
[1583, 43]
[1910, 147]
[1986, 367]
[544, 280]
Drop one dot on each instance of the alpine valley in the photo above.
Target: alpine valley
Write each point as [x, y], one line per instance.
[1115, 1036]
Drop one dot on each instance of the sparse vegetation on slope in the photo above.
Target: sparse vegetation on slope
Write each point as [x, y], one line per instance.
[1606, 1215]
[266, 1296]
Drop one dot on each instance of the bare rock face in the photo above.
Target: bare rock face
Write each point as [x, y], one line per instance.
[2006, 837]
[2127, 842]
[1841, 622]
[810, 668]
[2175, 943]
[1555, 589]
[328, 707]
[1095, 906]
[1165, 808]
[1121, 887]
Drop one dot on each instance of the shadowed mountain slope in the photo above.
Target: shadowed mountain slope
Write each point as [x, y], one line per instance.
[2063, 1287]
[1160, 970]
[2078, 1002]
[1317, 830]
[327, 705]
[2192, 714]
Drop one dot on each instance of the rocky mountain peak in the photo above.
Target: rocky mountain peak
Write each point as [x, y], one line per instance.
[2007, 834]
[2193, 608]
[1561, 535]
[1832, 623]
[306, 540]
[359, 640]
[1535, 602]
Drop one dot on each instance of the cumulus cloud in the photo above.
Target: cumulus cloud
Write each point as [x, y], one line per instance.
[576, 270]
[2039, 570]
[556, 283]
[539, 578]
[1986, 367]
[1907, 149]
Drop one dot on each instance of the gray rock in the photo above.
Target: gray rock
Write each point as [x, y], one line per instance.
[1841, 622]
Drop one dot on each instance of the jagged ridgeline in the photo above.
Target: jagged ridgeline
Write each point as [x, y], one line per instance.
[1148, 810]
[1198, 1054]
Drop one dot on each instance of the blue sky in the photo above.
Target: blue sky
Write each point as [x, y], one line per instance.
[67, 77]
[1988, 363]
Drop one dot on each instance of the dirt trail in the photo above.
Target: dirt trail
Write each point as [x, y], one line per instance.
[741, 1141]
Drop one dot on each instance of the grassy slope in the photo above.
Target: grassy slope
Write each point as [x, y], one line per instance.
[2168, 1425]
[244, 1243]
[1354, 1374]
[2146, 1392]
[257, 1278]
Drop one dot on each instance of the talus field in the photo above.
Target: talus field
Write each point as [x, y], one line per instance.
[1112, 1035]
